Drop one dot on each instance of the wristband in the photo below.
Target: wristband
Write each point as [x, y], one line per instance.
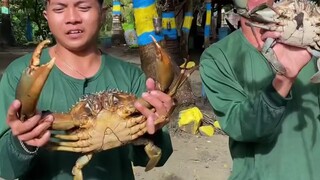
[27, 150]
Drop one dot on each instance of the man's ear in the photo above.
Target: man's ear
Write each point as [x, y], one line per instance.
[45, 14]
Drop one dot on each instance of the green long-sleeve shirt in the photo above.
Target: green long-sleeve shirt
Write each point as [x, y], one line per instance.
[271, 137]
[59, 94]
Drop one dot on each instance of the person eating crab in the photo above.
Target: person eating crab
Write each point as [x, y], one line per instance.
[260, 81]
[53, 80]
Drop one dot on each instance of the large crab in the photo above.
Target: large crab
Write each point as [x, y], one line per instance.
[103, 120]
[297, 20]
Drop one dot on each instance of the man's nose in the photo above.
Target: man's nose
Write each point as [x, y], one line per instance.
[73, 16]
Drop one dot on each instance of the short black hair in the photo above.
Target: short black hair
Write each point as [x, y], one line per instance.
[46, 1]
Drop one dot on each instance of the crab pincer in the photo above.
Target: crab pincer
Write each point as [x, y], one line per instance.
[164, 67]
[32, 81]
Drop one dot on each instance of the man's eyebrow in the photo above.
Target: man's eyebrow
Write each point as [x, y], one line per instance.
[81, 2]
[58, 4]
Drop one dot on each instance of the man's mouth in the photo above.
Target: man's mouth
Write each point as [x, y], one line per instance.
[74, 32]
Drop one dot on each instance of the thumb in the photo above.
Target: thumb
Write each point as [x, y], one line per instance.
[13, 111]
[150, 84]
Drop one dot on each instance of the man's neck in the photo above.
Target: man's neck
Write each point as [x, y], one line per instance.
[86, 56]
[85, 63]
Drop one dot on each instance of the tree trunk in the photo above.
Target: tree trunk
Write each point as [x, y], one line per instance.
[117, 30]
[207, 28]
[187, 23]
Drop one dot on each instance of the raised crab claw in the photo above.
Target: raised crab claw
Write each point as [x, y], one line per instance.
[108, 119]
[297, 20]
[32, 81]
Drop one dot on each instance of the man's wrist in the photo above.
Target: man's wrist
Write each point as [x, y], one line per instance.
[21, 147]
[29, 149]
[282, 85]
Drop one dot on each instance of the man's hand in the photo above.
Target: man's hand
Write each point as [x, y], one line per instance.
[34, 131]
[292, 58]
[161, 102]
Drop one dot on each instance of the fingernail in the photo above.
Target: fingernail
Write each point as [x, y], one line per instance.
[154, 92]
[49, 118]
[145, 94]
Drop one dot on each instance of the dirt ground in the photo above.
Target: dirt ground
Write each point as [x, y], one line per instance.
[195, 157]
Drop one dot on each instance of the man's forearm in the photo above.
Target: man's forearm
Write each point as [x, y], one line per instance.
[14, 160]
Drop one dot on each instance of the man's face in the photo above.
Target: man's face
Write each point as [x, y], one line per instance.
[253, 3]
[74, 23]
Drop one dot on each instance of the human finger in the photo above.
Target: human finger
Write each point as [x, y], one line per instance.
[150, 84]
[165, 98]
[13, 111]
[143, 110]
[166, 101]
[41, 141]
[149, 114]
[38, 131]
[150, 123]
[18, 127]
[153, 99]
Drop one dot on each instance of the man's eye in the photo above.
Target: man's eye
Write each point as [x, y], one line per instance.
[84, 8]
[58, 10]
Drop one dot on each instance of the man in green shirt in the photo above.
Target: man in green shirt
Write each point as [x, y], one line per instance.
[272, 120]
[80, 68]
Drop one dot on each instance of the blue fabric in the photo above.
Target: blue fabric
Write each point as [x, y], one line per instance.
[29, 30]
[145, 39]
[142, 3]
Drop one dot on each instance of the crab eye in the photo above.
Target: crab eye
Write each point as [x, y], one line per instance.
[115, 100]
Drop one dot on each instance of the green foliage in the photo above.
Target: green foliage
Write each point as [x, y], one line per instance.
[105, 30]
[127, 11]
[20, 10]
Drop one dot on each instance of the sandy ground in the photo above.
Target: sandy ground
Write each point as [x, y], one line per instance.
[195, 157]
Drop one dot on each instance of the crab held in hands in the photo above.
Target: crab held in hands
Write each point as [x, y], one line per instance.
[298, 21]
[107, 119]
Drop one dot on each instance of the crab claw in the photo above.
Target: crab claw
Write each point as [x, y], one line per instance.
[164, 67]
[32, 81]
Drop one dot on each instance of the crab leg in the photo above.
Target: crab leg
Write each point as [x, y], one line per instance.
[153, 152]
[81, 162]
[32, 81]
[64, 122]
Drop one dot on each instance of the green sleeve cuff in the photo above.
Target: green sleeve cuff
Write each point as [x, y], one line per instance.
[18, 149]
[274, 98]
